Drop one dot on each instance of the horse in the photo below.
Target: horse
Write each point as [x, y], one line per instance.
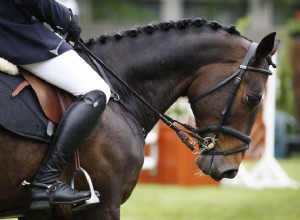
[222, 73]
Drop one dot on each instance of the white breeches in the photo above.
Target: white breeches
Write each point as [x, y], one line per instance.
[71, 73]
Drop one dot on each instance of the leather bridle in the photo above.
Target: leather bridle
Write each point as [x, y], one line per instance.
[209, 144]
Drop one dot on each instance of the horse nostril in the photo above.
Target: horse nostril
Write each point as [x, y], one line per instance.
[230, 174]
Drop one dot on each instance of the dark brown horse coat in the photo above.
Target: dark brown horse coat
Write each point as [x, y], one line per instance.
[161, 62]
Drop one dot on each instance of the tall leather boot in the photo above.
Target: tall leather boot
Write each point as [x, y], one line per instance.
[77, 123]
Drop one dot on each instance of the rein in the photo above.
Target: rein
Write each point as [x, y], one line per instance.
[206, 144]
[166, 119]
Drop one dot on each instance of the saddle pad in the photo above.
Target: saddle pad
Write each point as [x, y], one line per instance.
[21, 114]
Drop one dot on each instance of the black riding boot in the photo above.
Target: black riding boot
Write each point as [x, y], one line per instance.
[77, 123]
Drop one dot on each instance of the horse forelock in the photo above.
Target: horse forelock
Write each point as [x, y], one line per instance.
[163, 26]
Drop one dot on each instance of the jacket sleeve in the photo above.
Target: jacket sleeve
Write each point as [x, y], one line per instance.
[49, 11]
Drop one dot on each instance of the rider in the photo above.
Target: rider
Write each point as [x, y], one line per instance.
[25, 41]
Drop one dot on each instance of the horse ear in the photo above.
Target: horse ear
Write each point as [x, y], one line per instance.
[267, 46]
[275, 47]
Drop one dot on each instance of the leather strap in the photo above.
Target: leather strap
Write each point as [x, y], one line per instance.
[19, 88]
[114, 94]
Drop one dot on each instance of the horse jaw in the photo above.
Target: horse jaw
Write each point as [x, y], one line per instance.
[219, 167]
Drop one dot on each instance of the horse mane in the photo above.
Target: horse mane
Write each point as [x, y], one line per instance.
[163, 26]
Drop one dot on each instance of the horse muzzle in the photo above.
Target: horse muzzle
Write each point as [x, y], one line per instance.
[219, 167]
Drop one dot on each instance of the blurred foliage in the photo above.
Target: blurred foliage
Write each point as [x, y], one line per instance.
[283, 9]
[243, 23]
[286, 97]
[285, 94]
[119, 10]
[293, 27]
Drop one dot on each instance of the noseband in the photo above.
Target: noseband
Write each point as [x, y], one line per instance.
[207, 147]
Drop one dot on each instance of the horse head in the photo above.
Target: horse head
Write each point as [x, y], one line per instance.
[223, 74]
[236, 86]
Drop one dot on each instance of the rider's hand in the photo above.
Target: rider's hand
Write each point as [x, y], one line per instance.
[74, 28]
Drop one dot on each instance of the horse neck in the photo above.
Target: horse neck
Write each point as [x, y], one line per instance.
[159, 67]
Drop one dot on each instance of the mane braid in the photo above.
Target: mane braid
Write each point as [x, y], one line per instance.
[163, 26]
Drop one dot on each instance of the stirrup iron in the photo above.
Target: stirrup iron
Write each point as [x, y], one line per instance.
[93, 199]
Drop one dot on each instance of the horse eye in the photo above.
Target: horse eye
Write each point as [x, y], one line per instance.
[252, 100]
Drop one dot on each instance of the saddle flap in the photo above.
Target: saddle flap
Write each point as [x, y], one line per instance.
[53, 101]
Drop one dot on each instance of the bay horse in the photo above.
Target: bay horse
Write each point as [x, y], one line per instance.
[222, 73]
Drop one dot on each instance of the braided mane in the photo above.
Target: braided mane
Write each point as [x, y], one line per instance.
[164, 26]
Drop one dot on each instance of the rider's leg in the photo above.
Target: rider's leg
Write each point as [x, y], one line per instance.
[71, 73]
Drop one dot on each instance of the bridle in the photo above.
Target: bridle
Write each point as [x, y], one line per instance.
[208, 145]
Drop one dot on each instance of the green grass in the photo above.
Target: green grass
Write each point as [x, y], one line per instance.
[171, 203]
[167, 202]
[155, 202]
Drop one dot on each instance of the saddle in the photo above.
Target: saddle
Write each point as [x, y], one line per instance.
[30, 106]
[53, 100]
[39, 106]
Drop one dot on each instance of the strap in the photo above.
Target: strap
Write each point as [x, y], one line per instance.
[243, 67]
[259, 70]
[36, 184]
[249, 54]
[225, 129]
[76, 161]
[227, 152]
[214, 87]
[19, 88]
[235, 87]
[114, 94]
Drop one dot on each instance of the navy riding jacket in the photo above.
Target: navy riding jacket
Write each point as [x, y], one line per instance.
[23, 37]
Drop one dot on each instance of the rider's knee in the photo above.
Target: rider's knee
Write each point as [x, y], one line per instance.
[97, 98]
[99, 85]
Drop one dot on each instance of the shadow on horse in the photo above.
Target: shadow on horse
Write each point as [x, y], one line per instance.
[222, 73]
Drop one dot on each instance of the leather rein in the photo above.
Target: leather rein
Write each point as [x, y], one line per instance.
[206, 144]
